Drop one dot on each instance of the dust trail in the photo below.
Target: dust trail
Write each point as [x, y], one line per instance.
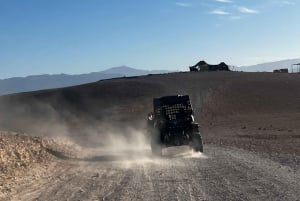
[183, 152]
[134, 149]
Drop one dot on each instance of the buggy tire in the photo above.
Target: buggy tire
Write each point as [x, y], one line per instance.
[197, 144]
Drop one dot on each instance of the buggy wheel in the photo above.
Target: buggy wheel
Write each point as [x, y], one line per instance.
[197, 144]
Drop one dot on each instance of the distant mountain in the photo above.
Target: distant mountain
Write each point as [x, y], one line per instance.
[39, 82]
[270, 66]
[128, 71]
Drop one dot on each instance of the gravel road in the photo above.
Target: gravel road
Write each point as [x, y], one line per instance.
[221, 173]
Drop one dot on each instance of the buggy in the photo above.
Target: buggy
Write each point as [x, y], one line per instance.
[172, 124]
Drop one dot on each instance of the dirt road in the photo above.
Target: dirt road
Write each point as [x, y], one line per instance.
[219, 174]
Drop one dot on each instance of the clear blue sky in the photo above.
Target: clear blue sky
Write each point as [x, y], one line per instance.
[81, 36]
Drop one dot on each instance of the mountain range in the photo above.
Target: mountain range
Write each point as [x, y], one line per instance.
[46, 81]
[270, 66]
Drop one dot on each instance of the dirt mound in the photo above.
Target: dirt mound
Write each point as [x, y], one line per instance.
[19, 153]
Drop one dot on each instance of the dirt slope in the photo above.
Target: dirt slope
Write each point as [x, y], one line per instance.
[261, 110]
[270, 102]
[20, 153]
[127, 101]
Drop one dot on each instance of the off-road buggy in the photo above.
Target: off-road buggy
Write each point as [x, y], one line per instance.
[172, 124]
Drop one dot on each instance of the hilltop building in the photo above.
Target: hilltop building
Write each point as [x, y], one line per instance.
[203, 66]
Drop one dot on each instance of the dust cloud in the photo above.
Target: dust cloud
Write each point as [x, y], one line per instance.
[134, 149]
[92, 140]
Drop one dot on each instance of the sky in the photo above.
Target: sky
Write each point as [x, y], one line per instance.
[82, 36]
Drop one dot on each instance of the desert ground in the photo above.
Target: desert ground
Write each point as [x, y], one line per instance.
[88, 142]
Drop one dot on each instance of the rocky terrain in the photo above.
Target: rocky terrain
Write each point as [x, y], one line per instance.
[250, 123]
[22, 155]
